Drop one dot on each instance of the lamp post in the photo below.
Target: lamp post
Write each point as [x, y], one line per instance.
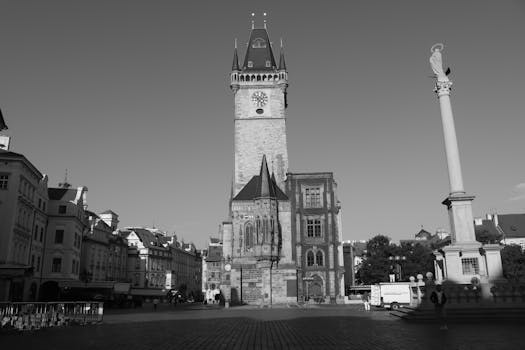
[398, 260]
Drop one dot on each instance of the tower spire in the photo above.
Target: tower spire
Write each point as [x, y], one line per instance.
[265, 182]
[3, 125]
[282, 62]
[64, 184]
[235, 64]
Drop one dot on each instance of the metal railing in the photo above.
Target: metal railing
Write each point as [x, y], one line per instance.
[28, 316]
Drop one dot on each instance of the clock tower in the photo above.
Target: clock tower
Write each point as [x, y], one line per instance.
[259, 88]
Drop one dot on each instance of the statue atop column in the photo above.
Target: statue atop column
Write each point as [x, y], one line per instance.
[436, 62]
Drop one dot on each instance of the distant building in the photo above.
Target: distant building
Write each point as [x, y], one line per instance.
[511, 227]
[316, 235]
[212, 265]
[23, 221]
[427, 239]
[353, 253]
[158, 263]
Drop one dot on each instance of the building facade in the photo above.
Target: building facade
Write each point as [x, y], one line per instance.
[316, 235]
[67, 223]
[23, 223]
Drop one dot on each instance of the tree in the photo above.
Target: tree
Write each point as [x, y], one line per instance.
[375, 267]
[487, 237]
[419, 260]
[513, 262]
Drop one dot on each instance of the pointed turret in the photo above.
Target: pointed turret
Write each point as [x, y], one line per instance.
[282, 62]
[259, 55]
[265, 188]
[235, 64]
[3, 125]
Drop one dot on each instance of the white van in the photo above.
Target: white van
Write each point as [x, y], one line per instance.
[391, 295]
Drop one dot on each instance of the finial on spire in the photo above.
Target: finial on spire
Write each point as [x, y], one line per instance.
[264, 14]
[64, 184]
[235, 43]
[253, 20]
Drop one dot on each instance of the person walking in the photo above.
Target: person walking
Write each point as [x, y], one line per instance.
[439, 299]
[155, 303]
[366, 300]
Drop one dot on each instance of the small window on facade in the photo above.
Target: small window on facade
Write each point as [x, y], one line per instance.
[41, 234]
[62, 209]
[57, 265]
[250, 64]
[268, 63]
[59, 236]
[38, 264]
[310, 258]
[248, 235]
[470, 266]
[4, 180]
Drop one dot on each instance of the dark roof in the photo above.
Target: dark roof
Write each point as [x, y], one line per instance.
[423, 234]
[259, 52]
[57, 193]
[261, 186]
[513, 225]
[3, 125]
[109, 211]
[214, 240]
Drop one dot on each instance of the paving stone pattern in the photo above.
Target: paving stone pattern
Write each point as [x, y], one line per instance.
[316, 328]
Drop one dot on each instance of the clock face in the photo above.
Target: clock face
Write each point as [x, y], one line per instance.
[259, 98]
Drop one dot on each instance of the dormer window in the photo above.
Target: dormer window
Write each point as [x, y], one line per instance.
[258, 43]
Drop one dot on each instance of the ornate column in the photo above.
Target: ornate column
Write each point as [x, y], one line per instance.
[462, 259]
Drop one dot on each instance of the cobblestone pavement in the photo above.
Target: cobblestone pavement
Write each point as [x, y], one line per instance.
[199, 327]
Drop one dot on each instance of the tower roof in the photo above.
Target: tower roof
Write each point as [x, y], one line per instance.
[259, 55]
[261, 185]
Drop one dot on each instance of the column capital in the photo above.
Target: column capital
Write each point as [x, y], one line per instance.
[443, 88]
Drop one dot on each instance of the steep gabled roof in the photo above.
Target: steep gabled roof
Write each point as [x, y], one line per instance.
[259, 52]
[262, 186]
[59, 193]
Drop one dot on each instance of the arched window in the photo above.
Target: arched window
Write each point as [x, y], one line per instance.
[258, 230]
[248, 235]
[319, 257]
[310, 258]
[265, 229]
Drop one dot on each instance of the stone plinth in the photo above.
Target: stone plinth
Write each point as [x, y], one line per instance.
[461, 218]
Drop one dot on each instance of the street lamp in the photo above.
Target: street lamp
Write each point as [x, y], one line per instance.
[398, 260]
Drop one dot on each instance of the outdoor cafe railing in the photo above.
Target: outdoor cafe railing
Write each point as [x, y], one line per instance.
[28, 316]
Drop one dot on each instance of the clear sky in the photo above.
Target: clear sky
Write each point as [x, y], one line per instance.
[132, 97]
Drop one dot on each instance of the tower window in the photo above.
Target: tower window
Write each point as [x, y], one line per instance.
[319, 258]
[250, 64]
[258, 43]
[4, 179]
[312, 197]
[268, 63]
[259, 111]
[59, 236]
[310, 258]
[313, 228]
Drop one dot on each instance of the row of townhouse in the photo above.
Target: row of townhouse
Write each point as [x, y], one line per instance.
[52, 247]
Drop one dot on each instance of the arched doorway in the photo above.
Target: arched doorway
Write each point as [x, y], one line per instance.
[316, 288]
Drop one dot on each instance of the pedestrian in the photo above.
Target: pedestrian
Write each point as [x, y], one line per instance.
[366, 300]
[155, 303]
[439, 299]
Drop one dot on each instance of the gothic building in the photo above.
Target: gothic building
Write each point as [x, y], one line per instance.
[261, 249]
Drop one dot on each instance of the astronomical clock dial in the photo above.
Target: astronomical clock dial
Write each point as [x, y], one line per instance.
[259, 98]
